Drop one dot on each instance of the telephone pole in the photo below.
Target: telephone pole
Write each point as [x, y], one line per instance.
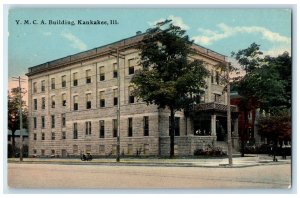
[21, 116]
[119, 107]
[119, 101]
[229, 118]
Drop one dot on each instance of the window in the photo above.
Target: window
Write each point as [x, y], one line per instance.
[64, 81]
[34, 151]
[88, 101]
[52, 152]
[63, 120]
[102, 73]
[52, 83]
[43, 136]
[131, 70]
[52, 136]
[88, 76]
[212, 76]
[217, 77]
[64, 99]
[130, 93]
[75, 79]
[102, 149]
[217, 97]
[43, 86]
[102, 99]
[75, 149]
[63, 135]
[177, 126]
[130, 67]
[115, 97]
[129, 127]
[75, 99]
[88, 128]
[102, 129]
[43, 122]
[35, 104]
[34, 87]
[115, 71]
[43, 152]
[34, 136]
[146, 126]
[43, 102]
[52, 121]
[115, 127]
[34, 122]
[75, 131]
[114, 149]
[88, 148]
[53, 101]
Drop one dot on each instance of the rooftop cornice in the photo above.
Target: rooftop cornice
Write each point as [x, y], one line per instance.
[124, 44]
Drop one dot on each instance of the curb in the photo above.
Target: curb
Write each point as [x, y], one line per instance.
[151, 164]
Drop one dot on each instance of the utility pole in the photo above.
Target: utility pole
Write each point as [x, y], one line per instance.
[229, 119]
[119, 101]
[119, 107]
[21, 117]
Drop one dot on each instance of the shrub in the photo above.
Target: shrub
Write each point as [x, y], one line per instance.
[209, 151]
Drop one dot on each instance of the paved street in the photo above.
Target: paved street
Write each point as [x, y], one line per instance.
[103, 176]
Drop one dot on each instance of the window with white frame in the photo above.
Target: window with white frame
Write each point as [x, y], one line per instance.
[88, 101]
[88, 76]
[102, 73]
[102, 98]
[88, 128]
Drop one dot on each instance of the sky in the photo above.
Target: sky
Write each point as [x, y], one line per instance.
[222, 30]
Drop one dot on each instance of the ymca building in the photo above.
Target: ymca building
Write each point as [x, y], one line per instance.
[73, 104]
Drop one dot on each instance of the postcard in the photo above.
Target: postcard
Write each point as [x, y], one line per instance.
[149, 98]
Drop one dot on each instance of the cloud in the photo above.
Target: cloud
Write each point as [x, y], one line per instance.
[177, 21]
[208, 36]
[278, 50]
[75, 42]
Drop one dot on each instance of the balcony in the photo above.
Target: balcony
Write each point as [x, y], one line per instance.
[212, 106]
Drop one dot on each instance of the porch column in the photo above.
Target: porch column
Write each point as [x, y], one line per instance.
[236, 127]
[213, 125]
[235, 134]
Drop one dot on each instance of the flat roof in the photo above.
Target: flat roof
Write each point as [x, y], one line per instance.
[106, 49]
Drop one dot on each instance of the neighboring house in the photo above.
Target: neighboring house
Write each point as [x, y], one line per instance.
[246, 131]
[73, 107]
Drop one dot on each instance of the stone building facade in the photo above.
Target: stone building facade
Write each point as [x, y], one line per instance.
[73, 104]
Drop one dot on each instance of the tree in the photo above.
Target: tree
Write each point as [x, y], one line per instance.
[13, 113]
[168, 78]
[283, 65]
[276, 127]
[266, 85]
[249, 58]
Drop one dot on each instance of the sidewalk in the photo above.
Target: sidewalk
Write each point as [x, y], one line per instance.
[248, 160]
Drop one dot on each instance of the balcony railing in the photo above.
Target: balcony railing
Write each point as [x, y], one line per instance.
[212, 106]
